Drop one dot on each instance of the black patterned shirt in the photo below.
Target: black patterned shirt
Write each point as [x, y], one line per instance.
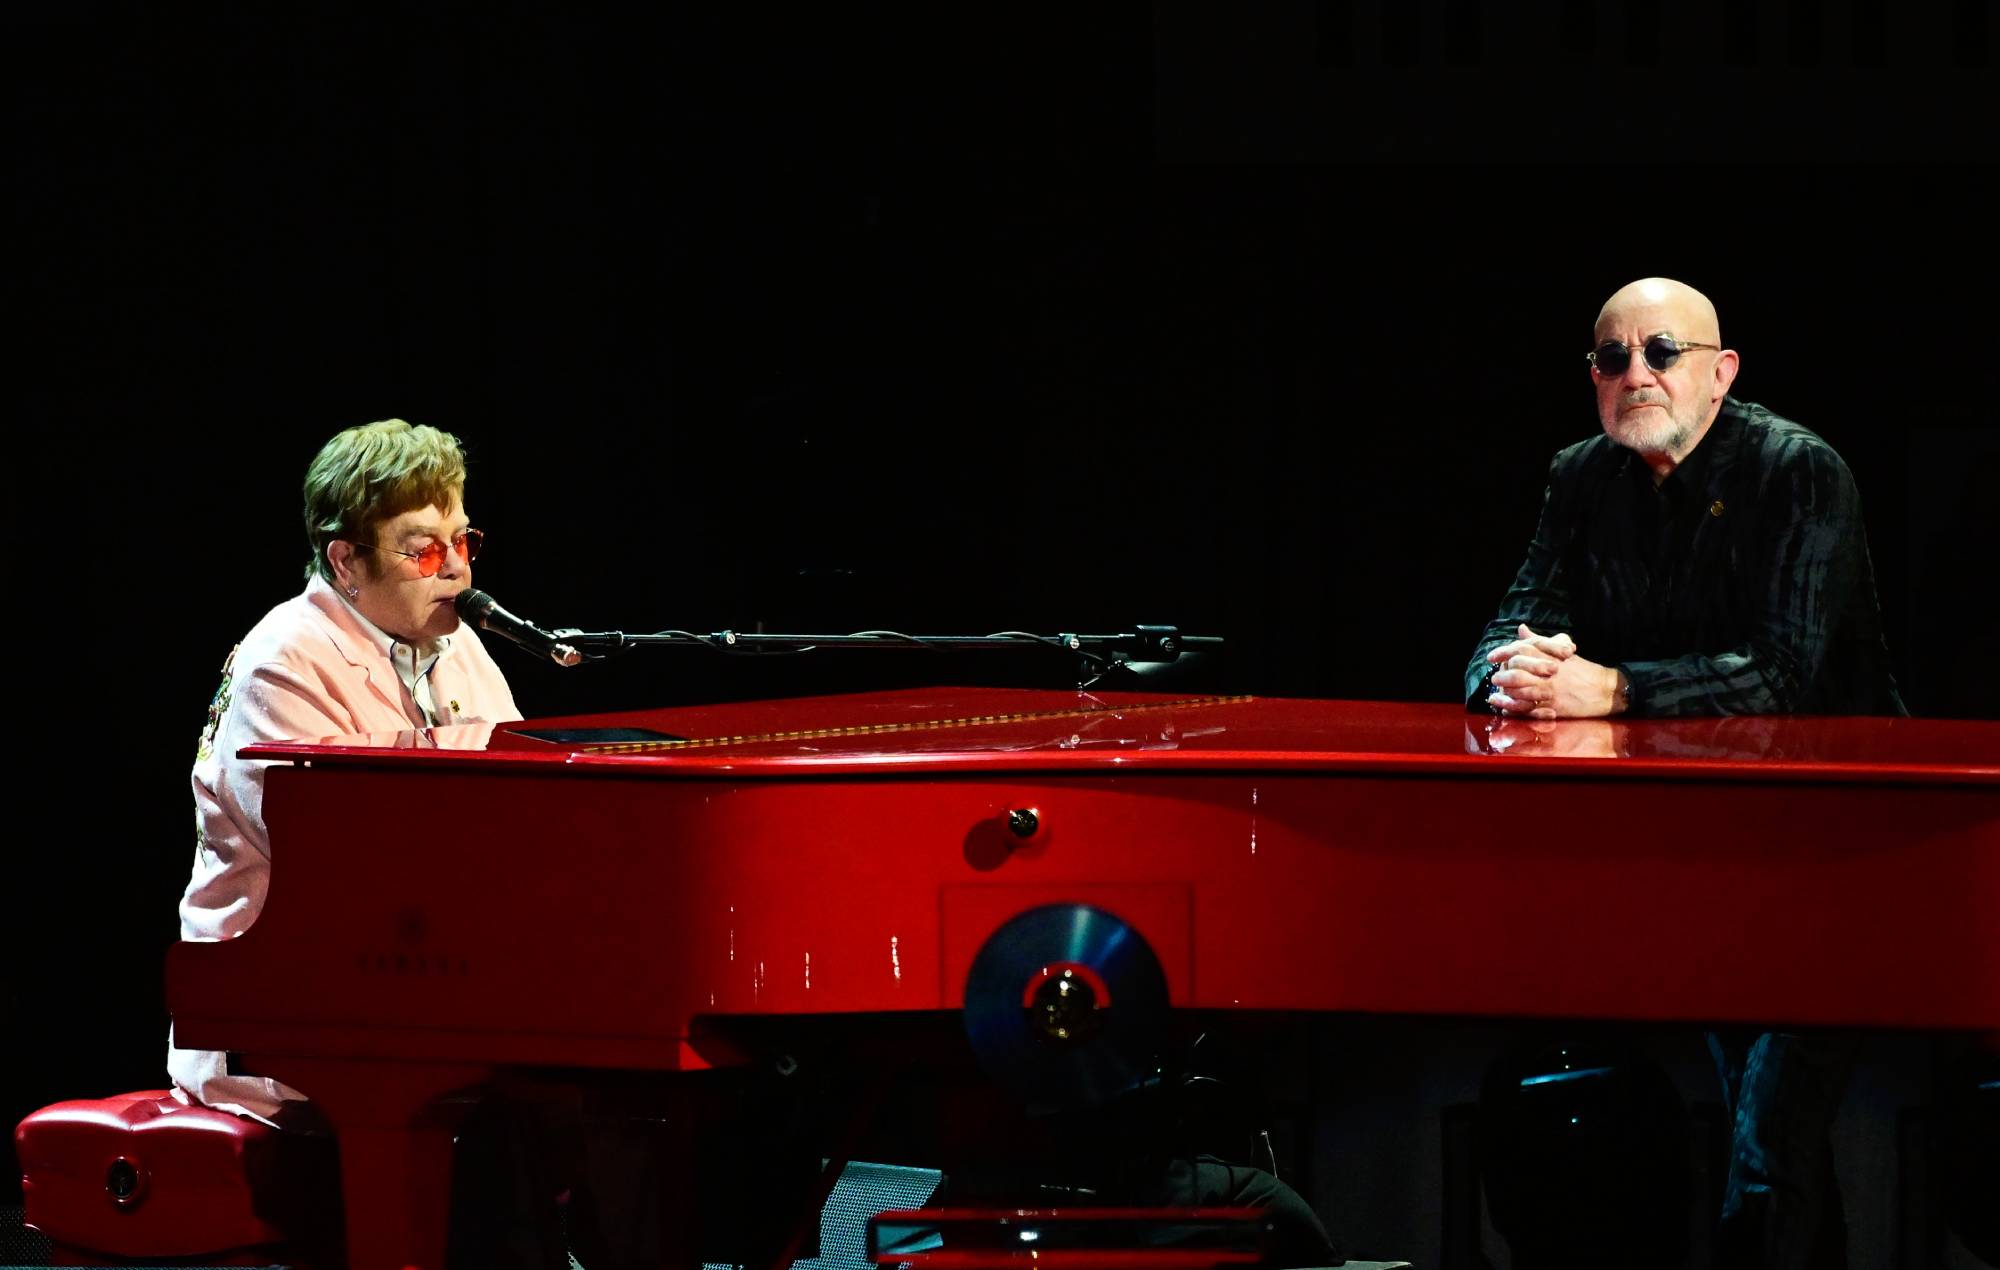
[1741, 585]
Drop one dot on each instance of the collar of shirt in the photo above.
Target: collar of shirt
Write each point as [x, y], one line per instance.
[1696, 479]
[413, 662]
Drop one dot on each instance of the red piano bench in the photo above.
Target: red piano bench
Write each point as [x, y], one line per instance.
[143, 1175]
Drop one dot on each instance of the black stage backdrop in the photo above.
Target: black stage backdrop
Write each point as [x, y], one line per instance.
[1263, 324]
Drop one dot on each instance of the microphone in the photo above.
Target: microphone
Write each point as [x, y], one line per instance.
[483, 611]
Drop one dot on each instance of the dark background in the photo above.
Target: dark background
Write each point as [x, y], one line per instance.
[1261, 323]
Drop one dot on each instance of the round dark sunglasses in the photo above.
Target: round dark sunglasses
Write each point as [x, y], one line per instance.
[431, 558]
[1662, 351]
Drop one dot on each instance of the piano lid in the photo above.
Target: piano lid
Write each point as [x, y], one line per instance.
[966, 731]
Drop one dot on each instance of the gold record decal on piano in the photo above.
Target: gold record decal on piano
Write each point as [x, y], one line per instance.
[879, 729]
[1067, 1005]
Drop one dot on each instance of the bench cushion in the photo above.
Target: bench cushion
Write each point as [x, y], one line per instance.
[145, 1175]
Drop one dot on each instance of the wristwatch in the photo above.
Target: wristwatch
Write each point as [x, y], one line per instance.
[1624, 692]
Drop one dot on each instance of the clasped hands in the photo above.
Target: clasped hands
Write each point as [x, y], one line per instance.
[1542, 677]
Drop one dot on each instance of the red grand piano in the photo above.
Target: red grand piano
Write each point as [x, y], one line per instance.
[612, 892]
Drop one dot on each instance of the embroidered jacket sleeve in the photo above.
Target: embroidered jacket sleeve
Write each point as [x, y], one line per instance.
[272, 701]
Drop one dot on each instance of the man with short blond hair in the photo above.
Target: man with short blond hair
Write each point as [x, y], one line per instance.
[373, 644]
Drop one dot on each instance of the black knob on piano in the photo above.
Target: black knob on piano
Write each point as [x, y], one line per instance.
[1025, 822]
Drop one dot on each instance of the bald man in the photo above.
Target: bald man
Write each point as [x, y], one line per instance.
[1704, 557]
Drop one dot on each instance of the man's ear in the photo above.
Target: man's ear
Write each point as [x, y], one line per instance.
[1726, 365]
[340, 555]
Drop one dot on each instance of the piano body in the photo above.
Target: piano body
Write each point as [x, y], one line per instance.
[616, 891]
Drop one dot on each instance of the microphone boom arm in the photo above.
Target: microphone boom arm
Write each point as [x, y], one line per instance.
[1152, 645]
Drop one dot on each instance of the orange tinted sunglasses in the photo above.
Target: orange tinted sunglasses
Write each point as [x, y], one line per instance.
[431, 558]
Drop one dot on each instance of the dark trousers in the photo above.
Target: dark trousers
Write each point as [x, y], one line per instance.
[1781, 1206]
[632, 1172]
[515, 1160]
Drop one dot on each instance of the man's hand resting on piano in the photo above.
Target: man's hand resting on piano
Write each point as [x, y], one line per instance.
[1543, 677]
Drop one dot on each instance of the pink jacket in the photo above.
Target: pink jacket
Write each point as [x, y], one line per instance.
[313, 667]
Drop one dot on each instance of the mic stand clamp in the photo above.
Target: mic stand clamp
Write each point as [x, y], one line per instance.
[582, 644]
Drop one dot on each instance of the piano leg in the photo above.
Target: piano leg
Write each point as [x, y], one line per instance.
[394, 1130]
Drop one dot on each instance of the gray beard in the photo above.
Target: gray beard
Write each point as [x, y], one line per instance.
[1657, 439]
